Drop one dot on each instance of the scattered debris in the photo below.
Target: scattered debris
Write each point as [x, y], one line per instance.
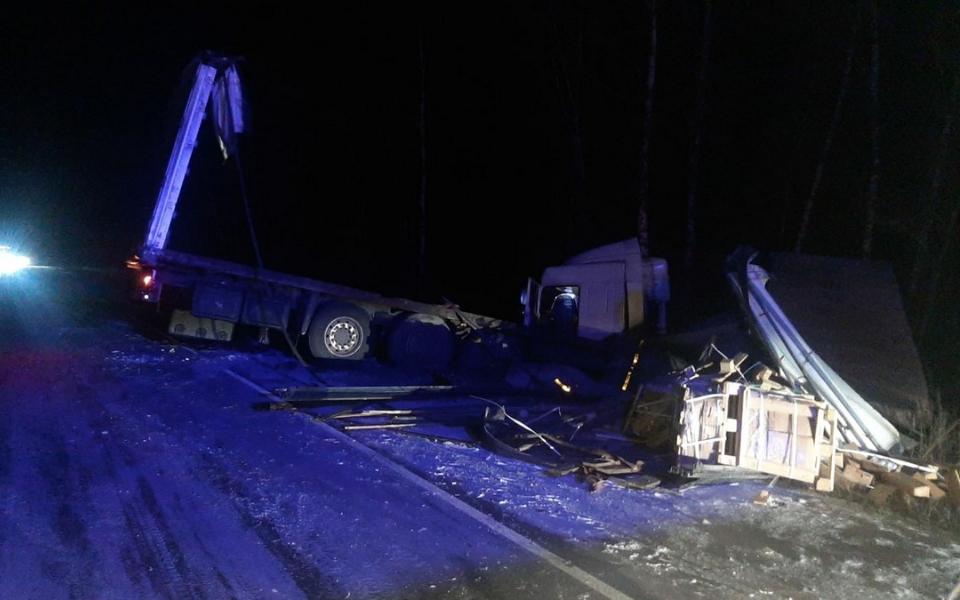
[860, 423]
[770, 432]
[724, 417]
[510, 436]
[358, 393]
[378, 426]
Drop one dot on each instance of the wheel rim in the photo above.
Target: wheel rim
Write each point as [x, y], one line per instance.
[343, 336]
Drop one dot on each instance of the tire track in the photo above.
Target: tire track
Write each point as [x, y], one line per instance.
[153, 550]
[312, 581]
[59, 474]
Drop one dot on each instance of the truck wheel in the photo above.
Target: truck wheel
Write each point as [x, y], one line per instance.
[340, 331]
[421, 343]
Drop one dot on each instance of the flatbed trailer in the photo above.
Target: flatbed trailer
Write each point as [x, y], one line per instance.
[338, 321]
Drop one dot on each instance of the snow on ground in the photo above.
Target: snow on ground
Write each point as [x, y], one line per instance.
[132, 468]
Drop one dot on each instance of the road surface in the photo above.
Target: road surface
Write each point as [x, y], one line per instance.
[133, 468]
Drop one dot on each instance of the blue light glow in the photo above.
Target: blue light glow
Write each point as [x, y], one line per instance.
[11, 262]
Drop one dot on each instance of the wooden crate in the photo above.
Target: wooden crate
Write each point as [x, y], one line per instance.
[707, 434]
[787, 435]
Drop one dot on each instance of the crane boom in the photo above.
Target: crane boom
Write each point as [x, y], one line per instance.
[166, 205]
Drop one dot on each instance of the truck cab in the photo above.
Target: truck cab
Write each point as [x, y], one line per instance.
[605, 291]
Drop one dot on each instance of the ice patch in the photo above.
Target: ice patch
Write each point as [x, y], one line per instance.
[885, 542]
[660, 551]
[624, 546]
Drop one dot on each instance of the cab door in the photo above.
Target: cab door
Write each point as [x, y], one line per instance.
[530, 299]
[601, 296]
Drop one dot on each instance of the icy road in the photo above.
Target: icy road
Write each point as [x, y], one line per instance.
[132, 468]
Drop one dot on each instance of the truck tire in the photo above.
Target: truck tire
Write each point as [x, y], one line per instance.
[339, 331]
[421, 343]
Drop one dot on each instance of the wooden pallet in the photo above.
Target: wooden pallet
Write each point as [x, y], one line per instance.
[707, 433]
[786, 435]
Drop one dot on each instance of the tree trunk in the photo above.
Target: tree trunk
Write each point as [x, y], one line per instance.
[936, 272]
[643, 236]
[831, 132]
[932, 211]
[873, 188]
[422, 246]
[695, 148]
[568, 90]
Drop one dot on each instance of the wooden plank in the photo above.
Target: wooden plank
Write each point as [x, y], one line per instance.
[826, 424]
[936, 492]
[835, 457]
[775, 468]
[867, 465]
[906, 484]
[818, 426]
[733, 364]
[824, 470]
[856, 476]
[952, 477]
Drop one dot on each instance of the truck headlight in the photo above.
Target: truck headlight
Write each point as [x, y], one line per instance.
[10, 263]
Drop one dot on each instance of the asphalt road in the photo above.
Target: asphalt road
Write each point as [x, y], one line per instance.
[130, 468]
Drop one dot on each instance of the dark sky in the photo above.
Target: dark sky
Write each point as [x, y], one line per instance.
[92, 98]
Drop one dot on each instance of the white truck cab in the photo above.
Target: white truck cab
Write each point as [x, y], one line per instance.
[601, 292]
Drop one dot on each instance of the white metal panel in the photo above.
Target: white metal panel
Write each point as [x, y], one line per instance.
[862, 424]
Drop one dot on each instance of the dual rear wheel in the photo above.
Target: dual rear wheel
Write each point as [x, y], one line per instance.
[414, 342]
[339, 330]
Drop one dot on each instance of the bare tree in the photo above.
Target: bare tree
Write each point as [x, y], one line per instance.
[695, 148]
[933, 205]
[643, 236]
[567, 80]
[873, 188]
[936, 273]
[422, 246]
[831, 132]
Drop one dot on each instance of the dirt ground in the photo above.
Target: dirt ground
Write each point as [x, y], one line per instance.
[131, 468]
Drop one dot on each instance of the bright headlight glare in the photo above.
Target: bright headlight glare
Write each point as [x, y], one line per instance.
[11, 263]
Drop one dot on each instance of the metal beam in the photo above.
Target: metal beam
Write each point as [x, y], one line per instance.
[180, 157]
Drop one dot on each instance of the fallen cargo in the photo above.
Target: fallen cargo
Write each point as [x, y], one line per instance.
[801, 366]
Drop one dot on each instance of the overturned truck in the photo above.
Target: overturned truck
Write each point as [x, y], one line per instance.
[600, 293]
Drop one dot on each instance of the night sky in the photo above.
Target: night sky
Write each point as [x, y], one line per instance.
[92, 98]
